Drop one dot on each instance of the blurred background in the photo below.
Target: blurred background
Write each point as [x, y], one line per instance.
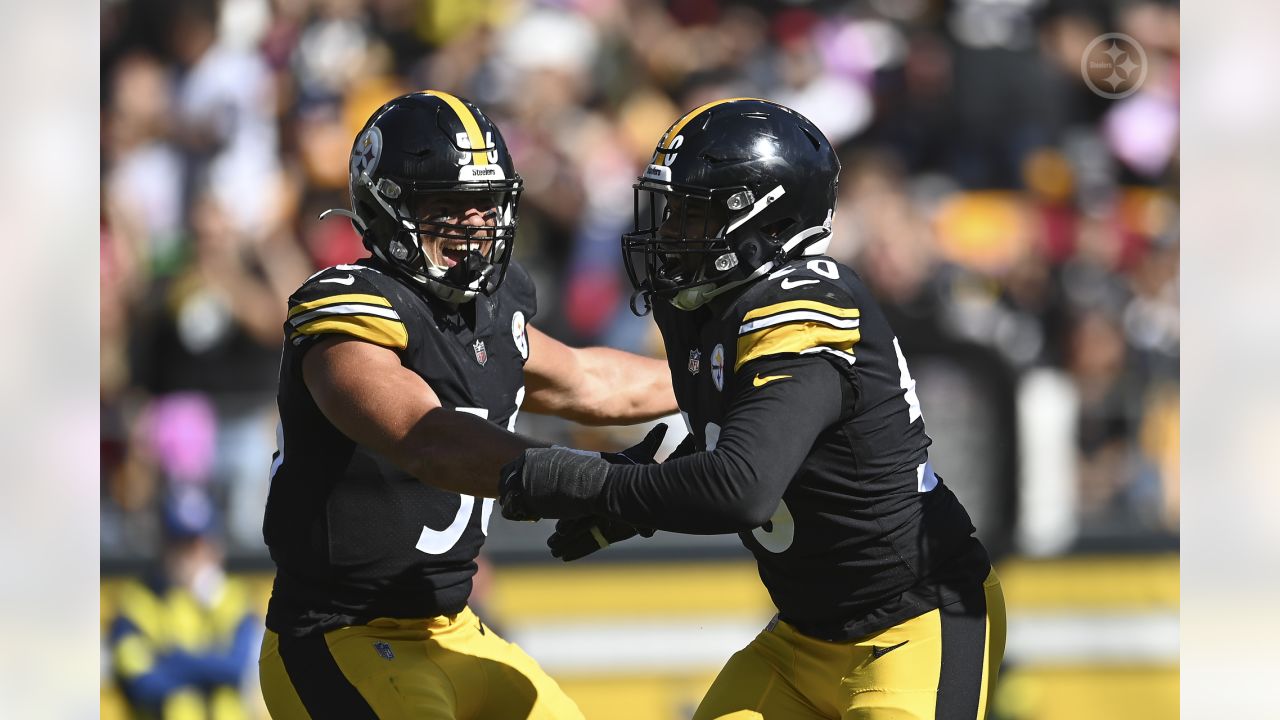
[1020, 230]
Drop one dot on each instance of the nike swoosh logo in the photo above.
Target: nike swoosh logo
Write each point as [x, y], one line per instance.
[350, 279]
[788, 283]
[759, 381]
[879, 652]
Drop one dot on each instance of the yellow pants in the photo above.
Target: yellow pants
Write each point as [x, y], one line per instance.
[937, 666]
[443, 668]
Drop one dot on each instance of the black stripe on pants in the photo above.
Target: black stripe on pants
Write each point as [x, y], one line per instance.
[964, 651]
[319, 682]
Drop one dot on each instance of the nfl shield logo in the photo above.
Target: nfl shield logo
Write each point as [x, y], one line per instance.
[384, 650]
[695, 361]
[482, 355]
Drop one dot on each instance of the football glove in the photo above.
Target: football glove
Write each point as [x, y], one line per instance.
[642, 452]
[688, 446]
[560, 482]
[577, 538]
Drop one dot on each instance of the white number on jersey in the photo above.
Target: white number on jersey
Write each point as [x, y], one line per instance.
[907, 383]
[439, 542]
[782, 528]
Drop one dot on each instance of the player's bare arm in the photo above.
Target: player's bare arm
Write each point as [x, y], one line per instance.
[367, 394]
[595, 385]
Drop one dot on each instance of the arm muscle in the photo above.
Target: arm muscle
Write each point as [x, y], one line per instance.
[596, 385]
[368, 395]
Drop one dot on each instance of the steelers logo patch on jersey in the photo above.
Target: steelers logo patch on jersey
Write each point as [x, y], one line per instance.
[520, 334]
[367, 152]
[717, 366]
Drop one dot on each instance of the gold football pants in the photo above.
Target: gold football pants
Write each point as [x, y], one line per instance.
[442, 668]
[937, 666]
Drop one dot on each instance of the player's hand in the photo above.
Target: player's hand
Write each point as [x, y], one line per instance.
[642, 452]
[579, 537]
[688, 446]
[551, 483]
[561, 482]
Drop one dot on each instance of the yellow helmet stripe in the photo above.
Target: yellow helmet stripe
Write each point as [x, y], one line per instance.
[674, 131]
[479, 154]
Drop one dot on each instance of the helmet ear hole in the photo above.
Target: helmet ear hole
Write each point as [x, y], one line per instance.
[751, 252]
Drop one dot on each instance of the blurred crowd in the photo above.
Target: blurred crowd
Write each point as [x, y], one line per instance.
[988, 196]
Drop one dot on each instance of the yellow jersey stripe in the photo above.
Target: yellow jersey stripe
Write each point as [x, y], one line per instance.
[794, 338]
[336, 299]
[674, 131]
[479, 153]
[802, 305]
[380, 331]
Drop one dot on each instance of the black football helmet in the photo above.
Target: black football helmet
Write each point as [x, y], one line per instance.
[419, 159]
[735, 188]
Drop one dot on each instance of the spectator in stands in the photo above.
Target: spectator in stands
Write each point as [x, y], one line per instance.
[182, 641]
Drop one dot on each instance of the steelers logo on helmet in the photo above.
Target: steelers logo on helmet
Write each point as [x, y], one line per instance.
[366, 152]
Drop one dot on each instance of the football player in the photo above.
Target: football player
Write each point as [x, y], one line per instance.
[806, 439]
[399, 386]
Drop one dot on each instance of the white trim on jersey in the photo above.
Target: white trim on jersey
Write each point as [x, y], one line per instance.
[344, 309]
[846, 356]
[796, 316]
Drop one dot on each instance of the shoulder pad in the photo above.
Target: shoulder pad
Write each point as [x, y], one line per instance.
[346, 299]
[800, 309]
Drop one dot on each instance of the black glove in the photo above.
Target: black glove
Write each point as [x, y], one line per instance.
[579, 537]
[688, 446]
[559, 482]
[642, 452]
[576, 538]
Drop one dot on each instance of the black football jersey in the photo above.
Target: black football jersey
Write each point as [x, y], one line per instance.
[866, 534]
[353, 536]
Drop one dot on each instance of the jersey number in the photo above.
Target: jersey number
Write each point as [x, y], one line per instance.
[775, 535]
[439, 542]
[907, 383]
[434, 542]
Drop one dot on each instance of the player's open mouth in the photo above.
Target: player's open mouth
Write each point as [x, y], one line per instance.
[454, 253]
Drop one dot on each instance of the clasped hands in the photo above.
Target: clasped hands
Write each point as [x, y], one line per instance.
[565, 483]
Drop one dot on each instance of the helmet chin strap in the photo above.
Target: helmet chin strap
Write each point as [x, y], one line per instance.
[699, 295]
